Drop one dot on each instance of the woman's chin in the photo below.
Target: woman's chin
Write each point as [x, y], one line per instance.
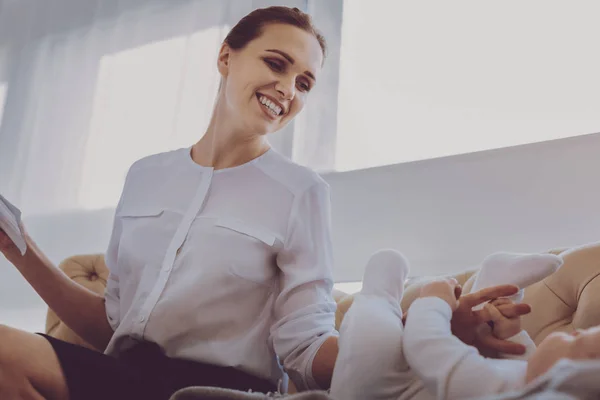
[264, 127]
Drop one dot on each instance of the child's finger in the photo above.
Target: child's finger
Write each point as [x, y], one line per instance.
[484, 295]
[514, 310]
[501, 301]
[452, 282]
[482, 315]
[495, 315]
[458, 291]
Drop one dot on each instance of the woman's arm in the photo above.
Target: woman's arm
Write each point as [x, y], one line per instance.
[304, 335]
[79, 308]
[92, 316]
[322, 366]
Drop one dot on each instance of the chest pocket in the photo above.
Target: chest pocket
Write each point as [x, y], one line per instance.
[146, 233]
[249, 249]
[138, 212]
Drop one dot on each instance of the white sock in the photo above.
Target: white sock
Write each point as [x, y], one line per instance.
[370, 362]
[520, 270]
[385, 274]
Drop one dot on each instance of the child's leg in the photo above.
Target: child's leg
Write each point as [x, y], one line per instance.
[521, 270]
[370, 363]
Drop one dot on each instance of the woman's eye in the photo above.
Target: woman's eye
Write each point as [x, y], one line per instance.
[304, 87]
[274, 65]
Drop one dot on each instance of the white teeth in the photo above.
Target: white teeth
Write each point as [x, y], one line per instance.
[274, 108]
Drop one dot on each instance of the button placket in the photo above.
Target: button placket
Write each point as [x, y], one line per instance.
[183, 230]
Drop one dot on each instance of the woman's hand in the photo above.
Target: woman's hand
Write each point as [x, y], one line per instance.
[7, 247]
[445, 289]
[471, 326]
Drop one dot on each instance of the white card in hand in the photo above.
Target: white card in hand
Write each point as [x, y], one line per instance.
[10, 223]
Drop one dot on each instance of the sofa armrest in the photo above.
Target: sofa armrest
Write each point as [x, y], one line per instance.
[89, 271]
[569, 299]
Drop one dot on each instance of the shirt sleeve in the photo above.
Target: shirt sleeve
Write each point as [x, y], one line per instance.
[111, 293]
[305, 309]
[449, 368]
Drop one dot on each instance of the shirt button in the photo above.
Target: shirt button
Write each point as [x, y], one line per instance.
[142, 318]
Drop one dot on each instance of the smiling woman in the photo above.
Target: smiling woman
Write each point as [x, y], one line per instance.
[220, 256]
[292, 52]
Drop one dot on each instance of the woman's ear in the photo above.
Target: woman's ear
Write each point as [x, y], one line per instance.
[223, 60]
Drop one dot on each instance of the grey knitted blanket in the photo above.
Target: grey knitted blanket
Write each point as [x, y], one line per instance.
[210, 393]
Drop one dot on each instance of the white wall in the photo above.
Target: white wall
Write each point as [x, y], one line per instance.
[455, 77]
[447, 214]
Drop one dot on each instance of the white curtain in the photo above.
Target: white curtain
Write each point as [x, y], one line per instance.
[86, 88]
[108, 85]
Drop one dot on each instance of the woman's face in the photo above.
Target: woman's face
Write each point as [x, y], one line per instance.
[266, 83]
[579, 345]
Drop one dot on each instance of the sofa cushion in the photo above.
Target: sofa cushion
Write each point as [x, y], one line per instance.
[568, 299]
[89, 271]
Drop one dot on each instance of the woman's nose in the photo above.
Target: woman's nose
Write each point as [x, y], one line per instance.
[286, 89]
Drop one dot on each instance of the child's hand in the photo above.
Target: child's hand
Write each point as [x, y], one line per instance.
[504, 327]
[446, 289]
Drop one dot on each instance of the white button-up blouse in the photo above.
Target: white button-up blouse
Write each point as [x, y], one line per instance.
[230, 267]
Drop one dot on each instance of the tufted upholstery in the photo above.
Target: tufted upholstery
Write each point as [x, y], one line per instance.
[566, 300]
[89, 271]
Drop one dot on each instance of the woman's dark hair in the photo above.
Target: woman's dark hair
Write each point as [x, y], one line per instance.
[250, 27]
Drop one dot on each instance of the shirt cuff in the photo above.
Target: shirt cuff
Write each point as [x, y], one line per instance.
[310, 380]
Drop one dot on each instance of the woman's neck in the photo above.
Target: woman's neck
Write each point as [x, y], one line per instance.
[224, 146]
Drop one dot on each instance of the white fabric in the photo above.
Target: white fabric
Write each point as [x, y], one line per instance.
[229, 267]
[566, 380]
[448, 367]
[520, 270]
[370, 363]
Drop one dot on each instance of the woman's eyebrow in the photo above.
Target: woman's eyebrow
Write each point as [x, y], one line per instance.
[291, 61]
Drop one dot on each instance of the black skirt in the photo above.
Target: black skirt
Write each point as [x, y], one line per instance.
[142, 372]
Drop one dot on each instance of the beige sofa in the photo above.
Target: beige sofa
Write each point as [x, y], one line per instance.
[567, 300]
